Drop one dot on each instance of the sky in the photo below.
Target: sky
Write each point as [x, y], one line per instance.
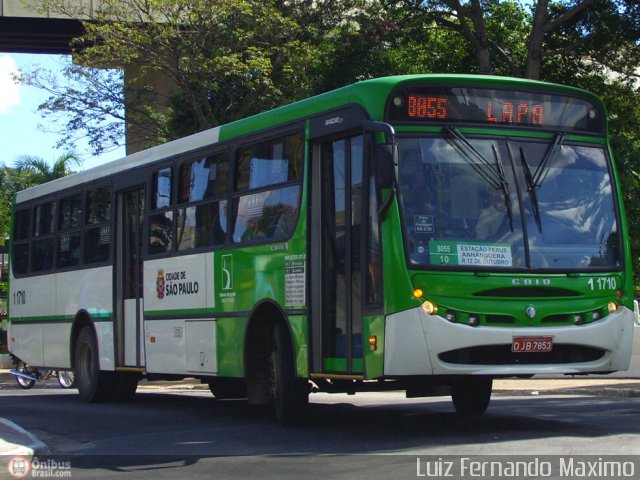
[23, 131]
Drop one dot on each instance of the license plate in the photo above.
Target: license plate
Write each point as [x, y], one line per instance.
[532, 344]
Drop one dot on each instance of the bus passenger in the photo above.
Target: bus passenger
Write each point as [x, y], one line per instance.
[492, 217]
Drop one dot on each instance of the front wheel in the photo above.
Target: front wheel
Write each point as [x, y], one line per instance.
[289, 394]
[228, 388]
[66, 379]
[471, 395]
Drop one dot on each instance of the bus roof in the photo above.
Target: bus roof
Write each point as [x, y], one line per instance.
[370, 94]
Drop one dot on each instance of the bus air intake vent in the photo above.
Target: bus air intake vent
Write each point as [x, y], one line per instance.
[527, 292]
[557, 319]
[502, 355]
[500, 320]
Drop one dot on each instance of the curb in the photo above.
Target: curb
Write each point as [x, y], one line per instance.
[579, 391]
[16, 441]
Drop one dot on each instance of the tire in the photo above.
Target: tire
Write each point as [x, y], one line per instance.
[66, 379]
[228, 388]
[24, 383]
[94, 385]
[289, 394]
[125, 386]
[471, 395]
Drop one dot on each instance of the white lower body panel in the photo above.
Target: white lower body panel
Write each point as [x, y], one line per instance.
[181, 347]
[414, 341]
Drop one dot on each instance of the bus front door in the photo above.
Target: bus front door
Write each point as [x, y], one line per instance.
[337, 226]
[128, 278]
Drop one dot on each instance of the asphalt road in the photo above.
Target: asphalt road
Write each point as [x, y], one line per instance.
[188, 434]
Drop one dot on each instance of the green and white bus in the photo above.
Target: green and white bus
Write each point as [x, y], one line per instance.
[425, 233]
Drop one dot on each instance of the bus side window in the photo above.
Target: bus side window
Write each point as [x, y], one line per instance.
[161, 222]
[69, 224]
[97, 230]
[20, 257]
[201, 221]
[263, 213]
[42, 246]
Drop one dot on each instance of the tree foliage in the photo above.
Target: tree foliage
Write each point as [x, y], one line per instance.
[224, 60]
[508, 40]
[84, 102]
[40, 171]
[11, 182]
[27, 172]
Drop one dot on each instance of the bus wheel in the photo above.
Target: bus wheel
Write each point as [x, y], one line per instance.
[289, 394]
[93, 384]
[125, 386]
[471, 395]
[228, 388]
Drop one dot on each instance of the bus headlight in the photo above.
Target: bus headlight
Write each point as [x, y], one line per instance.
[612, 307]
[429, 308]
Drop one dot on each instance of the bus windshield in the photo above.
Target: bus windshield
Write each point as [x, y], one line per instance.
[479, 203]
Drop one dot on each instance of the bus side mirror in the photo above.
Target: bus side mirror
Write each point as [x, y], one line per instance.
[385, 164]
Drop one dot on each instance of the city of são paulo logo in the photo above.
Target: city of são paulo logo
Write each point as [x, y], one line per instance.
[170, 284]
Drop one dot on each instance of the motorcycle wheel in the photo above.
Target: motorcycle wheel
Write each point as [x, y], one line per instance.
[66, 379]
[24, 383]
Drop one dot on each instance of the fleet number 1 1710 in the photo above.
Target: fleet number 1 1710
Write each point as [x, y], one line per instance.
[602, 283]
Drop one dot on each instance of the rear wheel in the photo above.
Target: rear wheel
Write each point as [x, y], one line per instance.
[471, 395]
[289, 394]
[94, 385]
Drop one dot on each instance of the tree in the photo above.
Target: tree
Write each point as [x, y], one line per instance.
[11, 182]
[224, 60]
[29, 171]
[85, 103]
[380, 40]
[482, 23]
[42, 172]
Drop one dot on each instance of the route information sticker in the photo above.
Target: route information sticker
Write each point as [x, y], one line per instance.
[470, 254]
[295, 279]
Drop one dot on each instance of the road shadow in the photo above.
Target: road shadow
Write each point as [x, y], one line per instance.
[159, 423]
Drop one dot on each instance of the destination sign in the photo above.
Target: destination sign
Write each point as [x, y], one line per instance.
[494, 107]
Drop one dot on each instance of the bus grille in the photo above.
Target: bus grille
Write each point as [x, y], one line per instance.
[502, 355]
[527, 292]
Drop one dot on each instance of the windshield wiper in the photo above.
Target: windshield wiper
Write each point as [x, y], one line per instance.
[492, 174]
[531, 188]
[542, 169]
[504, 185]
[535, 180]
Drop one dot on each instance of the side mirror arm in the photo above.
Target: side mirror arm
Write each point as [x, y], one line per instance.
[386, 162]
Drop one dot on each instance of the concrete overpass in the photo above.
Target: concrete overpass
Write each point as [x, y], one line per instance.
[27, 27]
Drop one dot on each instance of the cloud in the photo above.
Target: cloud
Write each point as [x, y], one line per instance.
[9, 90]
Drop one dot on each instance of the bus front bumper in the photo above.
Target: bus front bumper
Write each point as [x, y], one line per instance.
[421, 344]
